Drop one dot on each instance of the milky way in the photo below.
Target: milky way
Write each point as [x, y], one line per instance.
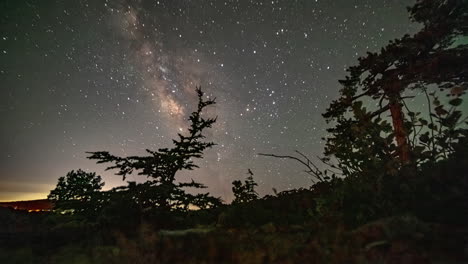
[81, 76]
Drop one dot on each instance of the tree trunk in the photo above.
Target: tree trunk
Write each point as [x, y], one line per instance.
[401, 134]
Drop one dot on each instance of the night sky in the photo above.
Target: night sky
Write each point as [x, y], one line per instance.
[92, 75]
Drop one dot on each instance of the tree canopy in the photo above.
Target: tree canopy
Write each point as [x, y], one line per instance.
[436, 55]
[160, 167]
[244, 192]
[76, 191]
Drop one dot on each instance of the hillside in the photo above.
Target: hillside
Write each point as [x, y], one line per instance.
[32, 205]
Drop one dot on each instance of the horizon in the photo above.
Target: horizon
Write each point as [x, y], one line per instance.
[128, 84]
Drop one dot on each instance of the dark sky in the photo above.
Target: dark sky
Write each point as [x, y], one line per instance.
[91, 75]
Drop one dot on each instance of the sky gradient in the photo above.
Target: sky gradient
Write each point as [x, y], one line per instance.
[79, 76]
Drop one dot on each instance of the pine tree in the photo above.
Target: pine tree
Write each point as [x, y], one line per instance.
[436, 55]
[161, 191]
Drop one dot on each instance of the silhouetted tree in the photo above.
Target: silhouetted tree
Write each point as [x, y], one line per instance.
[245, 192]
[161, 166]
[78, 192]
[435, 55]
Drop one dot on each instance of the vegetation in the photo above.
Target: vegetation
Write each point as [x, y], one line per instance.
[244, 193]
[433, 56]
[394, 188]
[161, 166]
[77, 192]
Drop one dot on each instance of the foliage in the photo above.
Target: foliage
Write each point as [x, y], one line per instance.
[244, 193]
[437, 138]
[161, 167]
[287, 208]
[431, 56]
[376, 156]
[78, 191]
[435, 194]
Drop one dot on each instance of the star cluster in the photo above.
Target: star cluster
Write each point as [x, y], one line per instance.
[120, 75]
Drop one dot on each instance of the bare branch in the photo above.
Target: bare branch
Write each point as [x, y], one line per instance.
[312, 169]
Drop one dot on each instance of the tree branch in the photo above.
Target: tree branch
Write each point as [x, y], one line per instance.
[312, 169]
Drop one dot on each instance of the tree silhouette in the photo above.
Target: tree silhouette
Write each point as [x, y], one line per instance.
[161, 190]
[245, 192]
[435, 55]
[77, 191]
